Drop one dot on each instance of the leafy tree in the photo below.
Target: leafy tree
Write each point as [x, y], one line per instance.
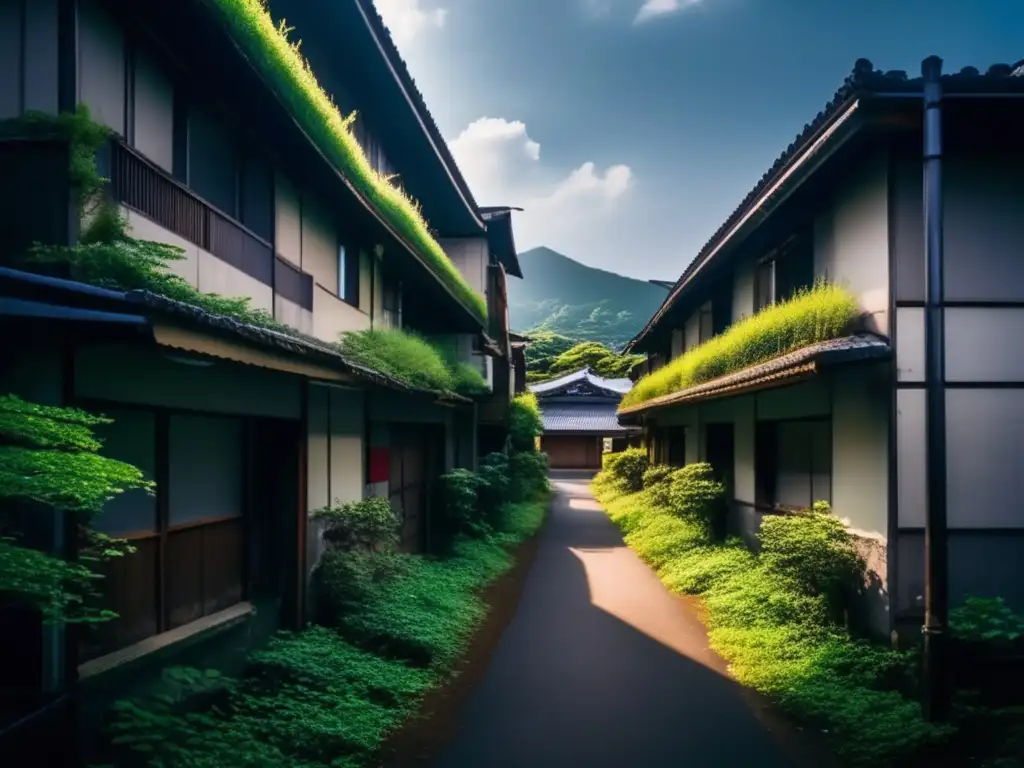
[597, 357]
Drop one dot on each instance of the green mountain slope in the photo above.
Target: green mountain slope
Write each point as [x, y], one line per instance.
[561, 295]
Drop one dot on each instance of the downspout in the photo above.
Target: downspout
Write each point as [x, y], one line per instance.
[936, 576]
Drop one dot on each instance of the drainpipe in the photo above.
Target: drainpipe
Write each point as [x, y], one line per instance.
[936, 575]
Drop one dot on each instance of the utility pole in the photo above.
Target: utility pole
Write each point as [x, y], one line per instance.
[936, 576]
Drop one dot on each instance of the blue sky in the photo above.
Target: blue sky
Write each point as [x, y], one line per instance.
[630, 129]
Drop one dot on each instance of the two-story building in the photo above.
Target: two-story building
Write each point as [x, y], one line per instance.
[224, 145]
[844, 420]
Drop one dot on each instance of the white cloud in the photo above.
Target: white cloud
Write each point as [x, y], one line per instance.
[652, 9]
[503, 166]
[405, 19]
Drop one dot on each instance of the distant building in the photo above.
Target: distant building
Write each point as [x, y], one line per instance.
[578, 410]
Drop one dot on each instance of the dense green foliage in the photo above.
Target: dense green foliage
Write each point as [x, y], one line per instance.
[412, 360]
[588, 354]
[817, 314]
[772, 615]
[986, 619]
[525, 424]
[566, 298]
[367, 525]
[286, 71]
[544, 347]
[628, 468]
[48, 457]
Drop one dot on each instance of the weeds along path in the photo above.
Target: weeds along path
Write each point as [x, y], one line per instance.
[602, 666]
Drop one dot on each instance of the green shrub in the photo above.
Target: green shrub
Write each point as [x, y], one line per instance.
[369, 524]
[525, 424]
[694, 492]
[495, 488]
[821, 313]
[460, 504]
[815, 552]
[985, 619]
[528, 473]
[770, 617]
[657, 474]
[627, 468]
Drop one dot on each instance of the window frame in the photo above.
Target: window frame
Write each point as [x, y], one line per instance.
[768, 462]
[349, 259]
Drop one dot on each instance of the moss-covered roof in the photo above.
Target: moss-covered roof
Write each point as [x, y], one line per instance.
[285, 70]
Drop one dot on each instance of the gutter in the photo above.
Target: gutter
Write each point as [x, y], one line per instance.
[809, 153]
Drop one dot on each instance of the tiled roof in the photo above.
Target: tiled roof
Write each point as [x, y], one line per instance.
[806, 360]
[612, 386]
[865, 80]
[581, 417]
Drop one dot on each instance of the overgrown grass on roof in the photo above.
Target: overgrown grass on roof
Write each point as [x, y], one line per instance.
[412, 360]
[288, 73]
[817, 314]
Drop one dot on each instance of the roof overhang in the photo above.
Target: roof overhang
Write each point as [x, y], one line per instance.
[782, 371]
[349, 36]
[500, 239]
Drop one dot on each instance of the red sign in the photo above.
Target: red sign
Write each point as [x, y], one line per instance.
[379, 470]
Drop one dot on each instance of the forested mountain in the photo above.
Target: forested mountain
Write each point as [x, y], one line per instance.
[583, 303]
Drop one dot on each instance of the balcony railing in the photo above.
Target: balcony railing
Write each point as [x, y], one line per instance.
[145, 187]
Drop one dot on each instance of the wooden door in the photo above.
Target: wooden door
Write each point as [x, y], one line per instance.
[409, 482]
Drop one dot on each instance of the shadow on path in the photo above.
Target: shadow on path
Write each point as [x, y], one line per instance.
[602, 666]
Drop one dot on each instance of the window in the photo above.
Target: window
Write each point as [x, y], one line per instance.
[764, 285]
[794, 463]
[188, 561]
[348, 274]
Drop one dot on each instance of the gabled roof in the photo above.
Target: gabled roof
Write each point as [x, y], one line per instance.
[593, 418]
[864, 82]
[611, 387]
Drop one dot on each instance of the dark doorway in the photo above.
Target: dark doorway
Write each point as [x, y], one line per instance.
[417, 460]
[721, 453]
[275, 514]
[676, 438]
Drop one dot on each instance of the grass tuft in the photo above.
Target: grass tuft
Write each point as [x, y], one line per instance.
[817, 314]
[288, 73]
[412, 360]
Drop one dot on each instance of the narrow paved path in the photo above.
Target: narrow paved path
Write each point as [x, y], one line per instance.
[602, 666]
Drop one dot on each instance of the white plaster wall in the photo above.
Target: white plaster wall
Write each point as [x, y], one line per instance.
[145, 375]
[147, 229]
[678, 342]
[743, 437]
[860, 438]
[910, 343]
[318, 471]
[851, 239]
[984, 344]
[469, 255]
[319, 243]
[985, 443]
[216, 276]
[287, 220]
[691, 331]
[332, 316]
[292, 314]
[910, 457]
[743, 290]
[347, 421]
